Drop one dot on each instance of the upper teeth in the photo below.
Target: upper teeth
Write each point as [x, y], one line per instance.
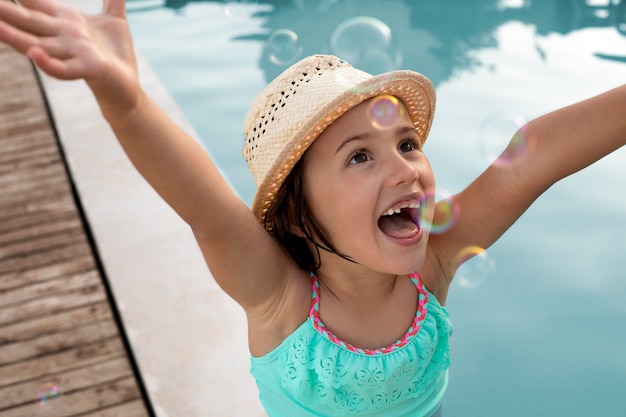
[398, 209]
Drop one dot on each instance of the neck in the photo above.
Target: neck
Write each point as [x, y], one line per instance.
[357, 285]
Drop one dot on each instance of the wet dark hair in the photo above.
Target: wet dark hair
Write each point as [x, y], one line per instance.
[291, 208]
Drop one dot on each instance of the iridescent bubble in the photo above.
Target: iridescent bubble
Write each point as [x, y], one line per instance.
[367, 43]
[444, 208]
[385, 112]
[239, 8]
[48, 393]
[284, 47]
[502, 138]
[474, 265]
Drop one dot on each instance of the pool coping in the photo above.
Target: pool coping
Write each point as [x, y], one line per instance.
[188, 338]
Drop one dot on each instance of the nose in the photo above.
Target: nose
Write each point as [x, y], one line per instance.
[401, 170]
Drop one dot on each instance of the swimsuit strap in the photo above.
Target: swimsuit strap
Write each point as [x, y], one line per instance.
[420, 314]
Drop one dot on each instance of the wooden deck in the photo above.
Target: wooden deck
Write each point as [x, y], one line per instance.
[61, 353]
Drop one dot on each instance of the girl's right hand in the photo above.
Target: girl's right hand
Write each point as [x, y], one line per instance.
[67, 44]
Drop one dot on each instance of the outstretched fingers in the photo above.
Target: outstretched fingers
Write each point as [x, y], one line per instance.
[22, 41]
[39, 29]
[67, 44]
[49, 7]
[17, 39]
[32, 21]
[59, 68]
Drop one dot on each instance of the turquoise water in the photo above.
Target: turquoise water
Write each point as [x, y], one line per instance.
[540, 321]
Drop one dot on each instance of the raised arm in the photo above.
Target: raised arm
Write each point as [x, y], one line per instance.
[557, 145]
[69, 45]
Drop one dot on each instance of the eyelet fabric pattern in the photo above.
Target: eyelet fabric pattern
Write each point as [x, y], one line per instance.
[320, 375]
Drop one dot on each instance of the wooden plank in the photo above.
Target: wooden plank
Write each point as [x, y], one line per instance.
[55, 269]
[42, 243]
[24, 118]
[41, 235]
[82, 402]
[84, 295]
[43, 367]
[44, 257]
[11, 298]
[56, 342]
[48, 226]
[38, 230]
[47, 202]
[36, 120]
[129, 409]
[17, 93]
[38, 296]
[21, 88]
[88, 381]
[26, 141]
[20, 179]
[52, 204]
[24, 227]
[28, 152]
[33, 157]
[20, 191]
[27, 159]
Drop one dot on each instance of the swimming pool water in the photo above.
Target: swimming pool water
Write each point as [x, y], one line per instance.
[542, 333]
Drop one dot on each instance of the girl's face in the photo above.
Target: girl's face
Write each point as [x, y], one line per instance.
[365, 184]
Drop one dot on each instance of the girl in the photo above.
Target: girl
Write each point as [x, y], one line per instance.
[342, 283]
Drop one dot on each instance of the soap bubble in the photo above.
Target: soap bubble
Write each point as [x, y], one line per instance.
[495, 133]
[385, 112]
[367, 43]
[474, 265]
[48, 394]
[239, 8]
[284, 47]
[445, 208]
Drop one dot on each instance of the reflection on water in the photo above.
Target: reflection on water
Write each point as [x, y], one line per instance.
[544, 335]
[435, 43]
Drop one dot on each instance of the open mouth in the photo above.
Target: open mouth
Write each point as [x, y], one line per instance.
[401, 222]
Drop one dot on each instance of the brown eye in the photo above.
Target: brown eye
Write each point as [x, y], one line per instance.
[409, 145]
[359, 157]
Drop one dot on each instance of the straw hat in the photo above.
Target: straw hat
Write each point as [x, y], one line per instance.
[292, 111]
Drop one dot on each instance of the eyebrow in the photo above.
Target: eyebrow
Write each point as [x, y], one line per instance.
[362, 136]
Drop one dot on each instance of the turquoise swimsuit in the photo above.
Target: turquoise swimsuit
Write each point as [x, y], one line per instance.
[314, 373]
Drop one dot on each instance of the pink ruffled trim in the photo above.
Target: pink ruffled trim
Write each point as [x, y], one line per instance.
[411, 332]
